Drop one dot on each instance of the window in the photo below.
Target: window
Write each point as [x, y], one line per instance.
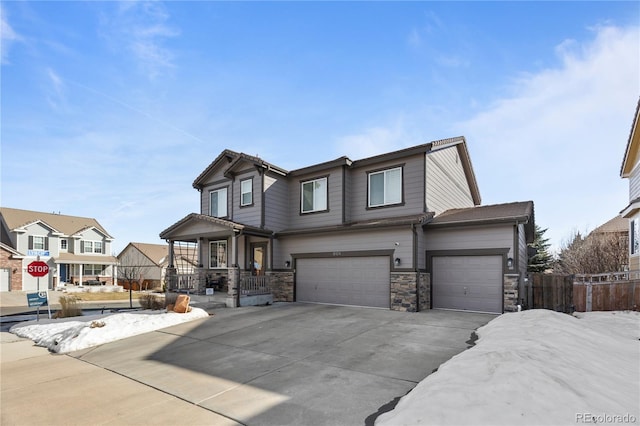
[246, 192]
[218, 254]
[93, 269]
[38, 243]
[635, 236]
[385, 187]
[314, 195]
[91, 246]
[64, 244]
[219, 203]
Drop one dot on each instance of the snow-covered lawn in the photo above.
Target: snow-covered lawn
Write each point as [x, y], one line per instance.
[535, 367]
[67, 335]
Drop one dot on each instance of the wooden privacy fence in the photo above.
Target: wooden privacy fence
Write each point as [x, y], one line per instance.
[606, 296]
[584, 293]
[551, 291]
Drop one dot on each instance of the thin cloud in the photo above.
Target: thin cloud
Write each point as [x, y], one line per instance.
[558, 138]
[373, 141]
[143, 29]
[7, 36]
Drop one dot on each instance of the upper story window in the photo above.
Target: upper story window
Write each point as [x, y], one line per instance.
[64, 244]
[218, 203]
[91, 246]
[385, 187]
[38, 243]
[246, 192]
[314, 195]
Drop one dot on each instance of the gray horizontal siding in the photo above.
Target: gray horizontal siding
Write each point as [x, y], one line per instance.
[447, 186]
[276, 199]
[347, 242]
[412, 183]
[468, 238]
[249, 215]
[634, 184]
[334, 198]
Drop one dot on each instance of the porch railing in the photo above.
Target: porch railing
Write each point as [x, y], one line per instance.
[254, 285]
[187, 283]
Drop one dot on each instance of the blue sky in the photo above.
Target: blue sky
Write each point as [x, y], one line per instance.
[111, 109]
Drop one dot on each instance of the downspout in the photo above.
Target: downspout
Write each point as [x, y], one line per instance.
[415, 265]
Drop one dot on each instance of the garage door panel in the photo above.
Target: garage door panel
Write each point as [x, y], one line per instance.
[359, 281]
[468, 283]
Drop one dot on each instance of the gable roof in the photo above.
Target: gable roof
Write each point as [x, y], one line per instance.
[618, 224]
[65, 224]
[633, 146]
[156, 253]
[233, 158]
[522, 212]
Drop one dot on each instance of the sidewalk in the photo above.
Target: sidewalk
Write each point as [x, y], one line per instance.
[39, 388]
[15, 302]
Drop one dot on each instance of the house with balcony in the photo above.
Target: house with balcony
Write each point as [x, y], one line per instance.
[75, 248]
[404, 230]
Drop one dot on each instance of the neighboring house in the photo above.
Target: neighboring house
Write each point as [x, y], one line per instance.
[617, 226]
[75, 248]
[146, 264]
[630, 170]
[402, 230]
[10, 268]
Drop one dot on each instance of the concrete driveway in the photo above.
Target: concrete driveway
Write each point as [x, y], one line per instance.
[293, 363]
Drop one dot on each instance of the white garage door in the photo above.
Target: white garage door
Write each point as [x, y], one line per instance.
[471, 283]
[360, 281]
[5, 279]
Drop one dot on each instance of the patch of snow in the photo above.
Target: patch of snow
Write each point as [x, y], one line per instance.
[535, 367]
[70, 335]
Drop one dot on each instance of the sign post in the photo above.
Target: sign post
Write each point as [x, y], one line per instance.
[38, 269]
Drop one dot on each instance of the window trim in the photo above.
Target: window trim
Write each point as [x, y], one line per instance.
[242, 193]
[226, 253]
[384, 171]
[83, 245]
[64, 242]
[226, 204]
[44, 242]
[314, 210]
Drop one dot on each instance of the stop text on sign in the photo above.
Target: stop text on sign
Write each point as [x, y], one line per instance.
[38, 269]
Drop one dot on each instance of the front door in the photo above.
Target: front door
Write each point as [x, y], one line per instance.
[258, 258]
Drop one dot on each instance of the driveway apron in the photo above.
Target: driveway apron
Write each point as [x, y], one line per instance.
[292, 363]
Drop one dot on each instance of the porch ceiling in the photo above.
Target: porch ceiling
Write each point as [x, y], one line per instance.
[195, 226]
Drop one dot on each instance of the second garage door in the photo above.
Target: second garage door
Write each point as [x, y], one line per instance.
[471, 283]
[360, 281]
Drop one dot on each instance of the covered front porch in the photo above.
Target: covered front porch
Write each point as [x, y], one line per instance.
[213, 256]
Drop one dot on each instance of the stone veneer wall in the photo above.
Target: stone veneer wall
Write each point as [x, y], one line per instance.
[511, 292]
[281, 285]
[403, 291]
[424, 291]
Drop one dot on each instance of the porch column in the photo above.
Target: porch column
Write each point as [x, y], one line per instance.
[171, 265]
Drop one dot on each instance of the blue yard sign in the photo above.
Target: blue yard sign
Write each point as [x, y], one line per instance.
[37, 299]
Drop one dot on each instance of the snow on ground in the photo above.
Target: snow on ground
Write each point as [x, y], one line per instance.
[67, 335]
[535, 367]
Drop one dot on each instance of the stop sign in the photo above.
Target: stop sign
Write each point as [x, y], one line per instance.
[37, 268]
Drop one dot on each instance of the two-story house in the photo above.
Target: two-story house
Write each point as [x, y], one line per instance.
[630, 170]
[402, 230]
[75, 248]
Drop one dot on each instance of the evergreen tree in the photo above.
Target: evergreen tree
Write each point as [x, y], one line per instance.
[542, 260]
